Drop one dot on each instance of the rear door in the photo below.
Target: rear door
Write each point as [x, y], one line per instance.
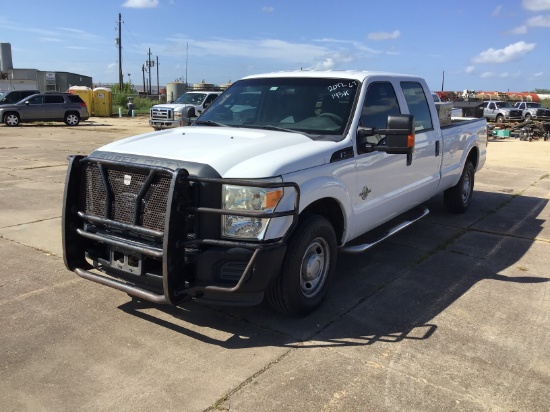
[54, 107]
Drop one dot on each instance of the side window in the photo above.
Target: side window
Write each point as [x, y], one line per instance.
[36, 100]
[209, 100]
[53, 99]
[418, 105]
[380, 102]
[491, 106]
[73, 98]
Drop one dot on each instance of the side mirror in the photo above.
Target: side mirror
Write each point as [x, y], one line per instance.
[27, 102]
[399, 136]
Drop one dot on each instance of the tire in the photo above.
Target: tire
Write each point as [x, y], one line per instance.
[500, 119]
[72, 119]
[457, 198]
[307, 269]
[11, 119]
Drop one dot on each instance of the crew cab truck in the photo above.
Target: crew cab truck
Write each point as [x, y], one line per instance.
[533, 111]
[182, 112]
[258, 196]
[501, 112]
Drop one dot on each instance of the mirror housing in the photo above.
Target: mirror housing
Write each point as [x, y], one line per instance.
[399, 136]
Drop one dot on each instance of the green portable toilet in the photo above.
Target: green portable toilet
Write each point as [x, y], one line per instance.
[103, 102]
[85, 94]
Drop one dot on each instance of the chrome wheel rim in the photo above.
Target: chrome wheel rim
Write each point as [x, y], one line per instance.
[314, 268]
[466, 188]
[72, 119]
[12, 120]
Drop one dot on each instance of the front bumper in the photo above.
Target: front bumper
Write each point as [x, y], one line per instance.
[165, 124]
[173, 264]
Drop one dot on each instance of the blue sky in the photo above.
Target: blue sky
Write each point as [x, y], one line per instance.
[482, 45]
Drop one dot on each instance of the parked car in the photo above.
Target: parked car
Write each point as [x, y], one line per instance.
[255, 198]
[54, 107]
[532, 110]
[182, 112]
[501, 112]
[13, 96]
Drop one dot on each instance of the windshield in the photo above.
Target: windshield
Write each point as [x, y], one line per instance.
[2, 94]
[191, 98]
[316, 106]
[502, 105]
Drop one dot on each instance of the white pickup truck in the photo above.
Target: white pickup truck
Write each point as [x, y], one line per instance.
[257, 198]
[182, 112]
[533, 111]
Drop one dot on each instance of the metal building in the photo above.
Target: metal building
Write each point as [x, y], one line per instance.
[60, 81]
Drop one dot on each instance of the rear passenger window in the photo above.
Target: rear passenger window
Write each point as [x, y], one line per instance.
[418, 105]
[74, 98]
[53, 99]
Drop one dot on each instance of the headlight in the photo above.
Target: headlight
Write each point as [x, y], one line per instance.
[177, 115]
[247, 198]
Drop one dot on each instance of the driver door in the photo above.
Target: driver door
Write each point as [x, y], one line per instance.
[33, 108]
[387, 184]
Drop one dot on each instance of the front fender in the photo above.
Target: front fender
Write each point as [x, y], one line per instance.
[315, 187]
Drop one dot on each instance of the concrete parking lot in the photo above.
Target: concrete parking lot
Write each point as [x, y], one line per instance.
[452, 314]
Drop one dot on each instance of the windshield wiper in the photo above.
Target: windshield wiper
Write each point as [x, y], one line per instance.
[280, 129]
[209, 123]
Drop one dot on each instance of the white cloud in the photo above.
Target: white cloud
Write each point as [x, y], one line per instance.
[283, 51]
[519, 30]
[509, 53]
[332, 61]
[536, 5]
[469, 69]
[539, 74]
[381, 35]
[538, 21]
[141, 4]
[49, 39]
[268, 9]
[497, 10]
[487, 75]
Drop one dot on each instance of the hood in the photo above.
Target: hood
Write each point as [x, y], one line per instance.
[172, 105]
[232, 152]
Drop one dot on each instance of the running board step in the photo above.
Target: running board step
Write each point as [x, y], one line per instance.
[378, 235]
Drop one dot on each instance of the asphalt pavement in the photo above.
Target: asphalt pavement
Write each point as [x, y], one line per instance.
[452, 314]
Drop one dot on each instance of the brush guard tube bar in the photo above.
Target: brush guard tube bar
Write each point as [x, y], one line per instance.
[76, 235]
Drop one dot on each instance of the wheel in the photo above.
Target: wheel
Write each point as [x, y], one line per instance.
[11, 119]
[500, 119]
[457, 198]
[527, 117]
[333, 117]
[307, 268]
[72, 119]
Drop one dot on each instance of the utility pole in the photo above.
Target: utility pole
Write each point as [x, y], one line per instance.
[158, 85]
[119, 41]
[150, 63]
[143, 71]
